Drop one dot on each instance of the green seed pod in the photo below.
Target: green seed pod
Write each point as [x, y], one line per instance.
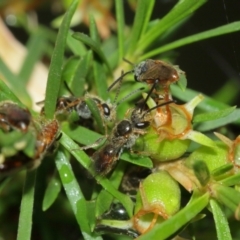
[161, 150]
[159, 195]
[214, 157]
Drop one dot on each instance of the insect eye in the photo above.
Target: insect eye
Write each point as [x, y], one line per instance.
[106, 109]
[136, 78]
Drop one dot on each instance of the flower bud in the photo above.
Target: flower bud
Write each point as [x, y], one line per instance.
[159, 195]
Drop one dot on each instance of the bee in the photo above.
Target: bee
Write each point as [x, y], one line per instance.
[78, 104]
[156, 73]
[40, 135]
[67, 104]
[13, 117]
[123, 136]
[46, 137]
[132, 178]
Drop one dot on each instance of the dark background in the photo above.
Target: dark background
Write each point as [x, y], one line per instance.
[209, 63]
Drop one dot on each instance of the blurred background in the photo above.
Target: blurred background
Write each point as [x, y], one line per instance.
[209, 65]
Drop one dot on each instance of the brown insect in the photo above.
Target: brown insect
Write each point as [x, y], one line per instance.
[13, 117]
[156, 73]
[46, 136]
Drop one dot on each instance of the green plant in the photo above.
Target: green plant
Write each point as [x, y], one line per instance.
[94, 64]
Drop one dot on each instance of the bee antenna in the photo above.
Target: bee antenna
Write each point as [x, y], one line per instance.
[119, 86]
[40, 102]
[125, 60]
[159, 105]
[130, 94]
[117, 80]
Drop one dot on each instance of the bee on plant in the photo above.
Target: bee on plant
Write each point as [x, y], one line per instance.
[158, 74]
[123, 136]
[26, 140]
[13, 117]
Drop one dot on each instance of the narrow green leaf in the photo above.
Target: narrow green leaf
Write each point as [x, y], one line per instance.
[225, 29]
[228, 196]
[74, 193]
[231, 181]
[232, 117]
[203, 117]
[55, 70]
[143, 12]
[94, 46]
[85, 161]
[173, 224]
[79, 78]
[91, 205]
[142, 161]
[94, 31]
[222, 170]
[96, 113]
[26, 209]
[75, 46]
[68, 72]
[35, 50]
[120, 28]
[180, 11]
[4, 183]
[7, 94]
[51, 193]
[16, 84]
[221, 223]
[79, 134]
[105, 199]
[148, 15]
[208, 104]
[100, 80]
[124, 199]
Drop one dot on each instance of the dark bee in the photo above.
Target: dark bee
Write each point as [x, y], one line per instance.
[113, 230]
[124, 135]
[132, 178]
[13, 117]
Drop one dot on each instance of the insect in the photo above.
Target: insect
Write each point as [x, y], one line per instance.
[44, 137]
[78, 104]
[49, 133]
[131, 180]
[124, 135]
[13, 117]
[114, 230]
[156, 73]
